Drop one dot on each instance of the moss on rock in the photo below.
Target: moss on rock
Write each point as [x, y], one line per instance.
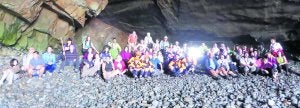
[38, 40]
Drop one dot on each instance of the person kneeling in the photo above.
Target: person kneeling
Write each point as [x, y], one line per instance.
[10, 72]
[177, 67]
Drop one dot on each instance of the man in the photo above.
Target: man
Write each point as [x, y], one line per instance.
[212, 66]
[165, 43]
[37, 65]
[132, 40]
[50, 60]
[247, 64]
[71, 59]
[148, 40]
[275, 47]
[27, 58]
[115, 49]
[157, 65]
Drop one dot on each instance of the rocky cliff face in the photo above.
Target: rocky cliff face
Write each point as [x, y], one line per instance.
[204, 18]
[39, 23]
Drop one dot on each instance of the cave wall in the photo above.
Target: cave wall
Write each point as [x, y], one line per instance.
[205, 18]
[39, 23]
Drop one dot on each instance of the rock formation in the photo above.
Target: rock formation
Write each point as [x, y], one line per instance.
[39, 23]
[221, 18]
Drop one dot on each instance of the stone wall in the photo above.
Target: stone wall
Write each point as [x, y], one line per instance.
[39, 23]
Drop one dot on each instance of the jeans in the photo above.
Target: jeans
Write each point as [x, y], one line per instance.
[50, 68]
[75, 64]
[175, 72]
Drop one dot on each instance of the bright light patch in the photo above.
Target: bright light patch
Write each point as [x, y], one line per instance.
[194, 52]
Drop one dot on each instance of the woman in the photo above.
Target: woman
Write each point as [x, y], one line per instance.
[120, 66]
[282, 62]
[86, 44]
[268, 68]
[10, 71]
[108, 69]
[88, 57]
[87, 70]
[125, 54]
[105, 53]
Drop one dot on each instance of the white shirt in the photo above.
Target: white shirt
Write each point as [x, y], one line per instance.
[26, 59]
[148, 40]
[275, 47]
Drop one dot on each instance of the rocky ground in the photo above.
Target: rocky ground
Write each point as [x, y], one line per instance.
[67, 90]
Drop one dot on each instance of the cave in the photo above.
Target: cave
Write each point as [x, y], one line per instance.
[34, 50]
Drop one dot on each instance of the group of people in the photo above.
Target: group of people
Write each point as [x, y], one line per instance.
[148, 58]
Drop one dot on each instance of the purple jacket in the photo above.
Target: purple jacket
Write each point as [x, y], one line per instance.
[273, 61]
[266, 66]
[125, 55]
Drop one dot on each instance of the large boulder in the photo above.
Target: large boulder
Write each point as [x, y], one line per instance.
[101, 33]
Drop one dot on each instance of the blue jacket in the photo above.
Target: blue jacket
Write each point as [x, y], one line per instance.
[207, 64]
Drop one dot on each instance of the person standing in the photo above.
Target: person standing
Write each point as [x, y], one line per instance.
[275, 47]
[86, 44]
[132, 40]
[148, 40]
[115, 49]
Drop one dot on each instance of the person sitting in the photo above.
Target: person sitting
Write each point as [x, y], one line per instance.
[157, 65]
[275, 47]
[224, 67]
[108, 70]
[125, 54]
[268, 68]
[120, 66]
[27, 58]
[212, 66]
[135, 66]
[87, 44]
[247, 64]
[88, 57]
[105, 53]
[90, 71]
[176, 66]
[65, 48]
[215, 49]
[71, 60]
[115, 49]
[282, 62]
[147, 68]
[50, 60]
[10, 71]
[37, 65]
[190, 64]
